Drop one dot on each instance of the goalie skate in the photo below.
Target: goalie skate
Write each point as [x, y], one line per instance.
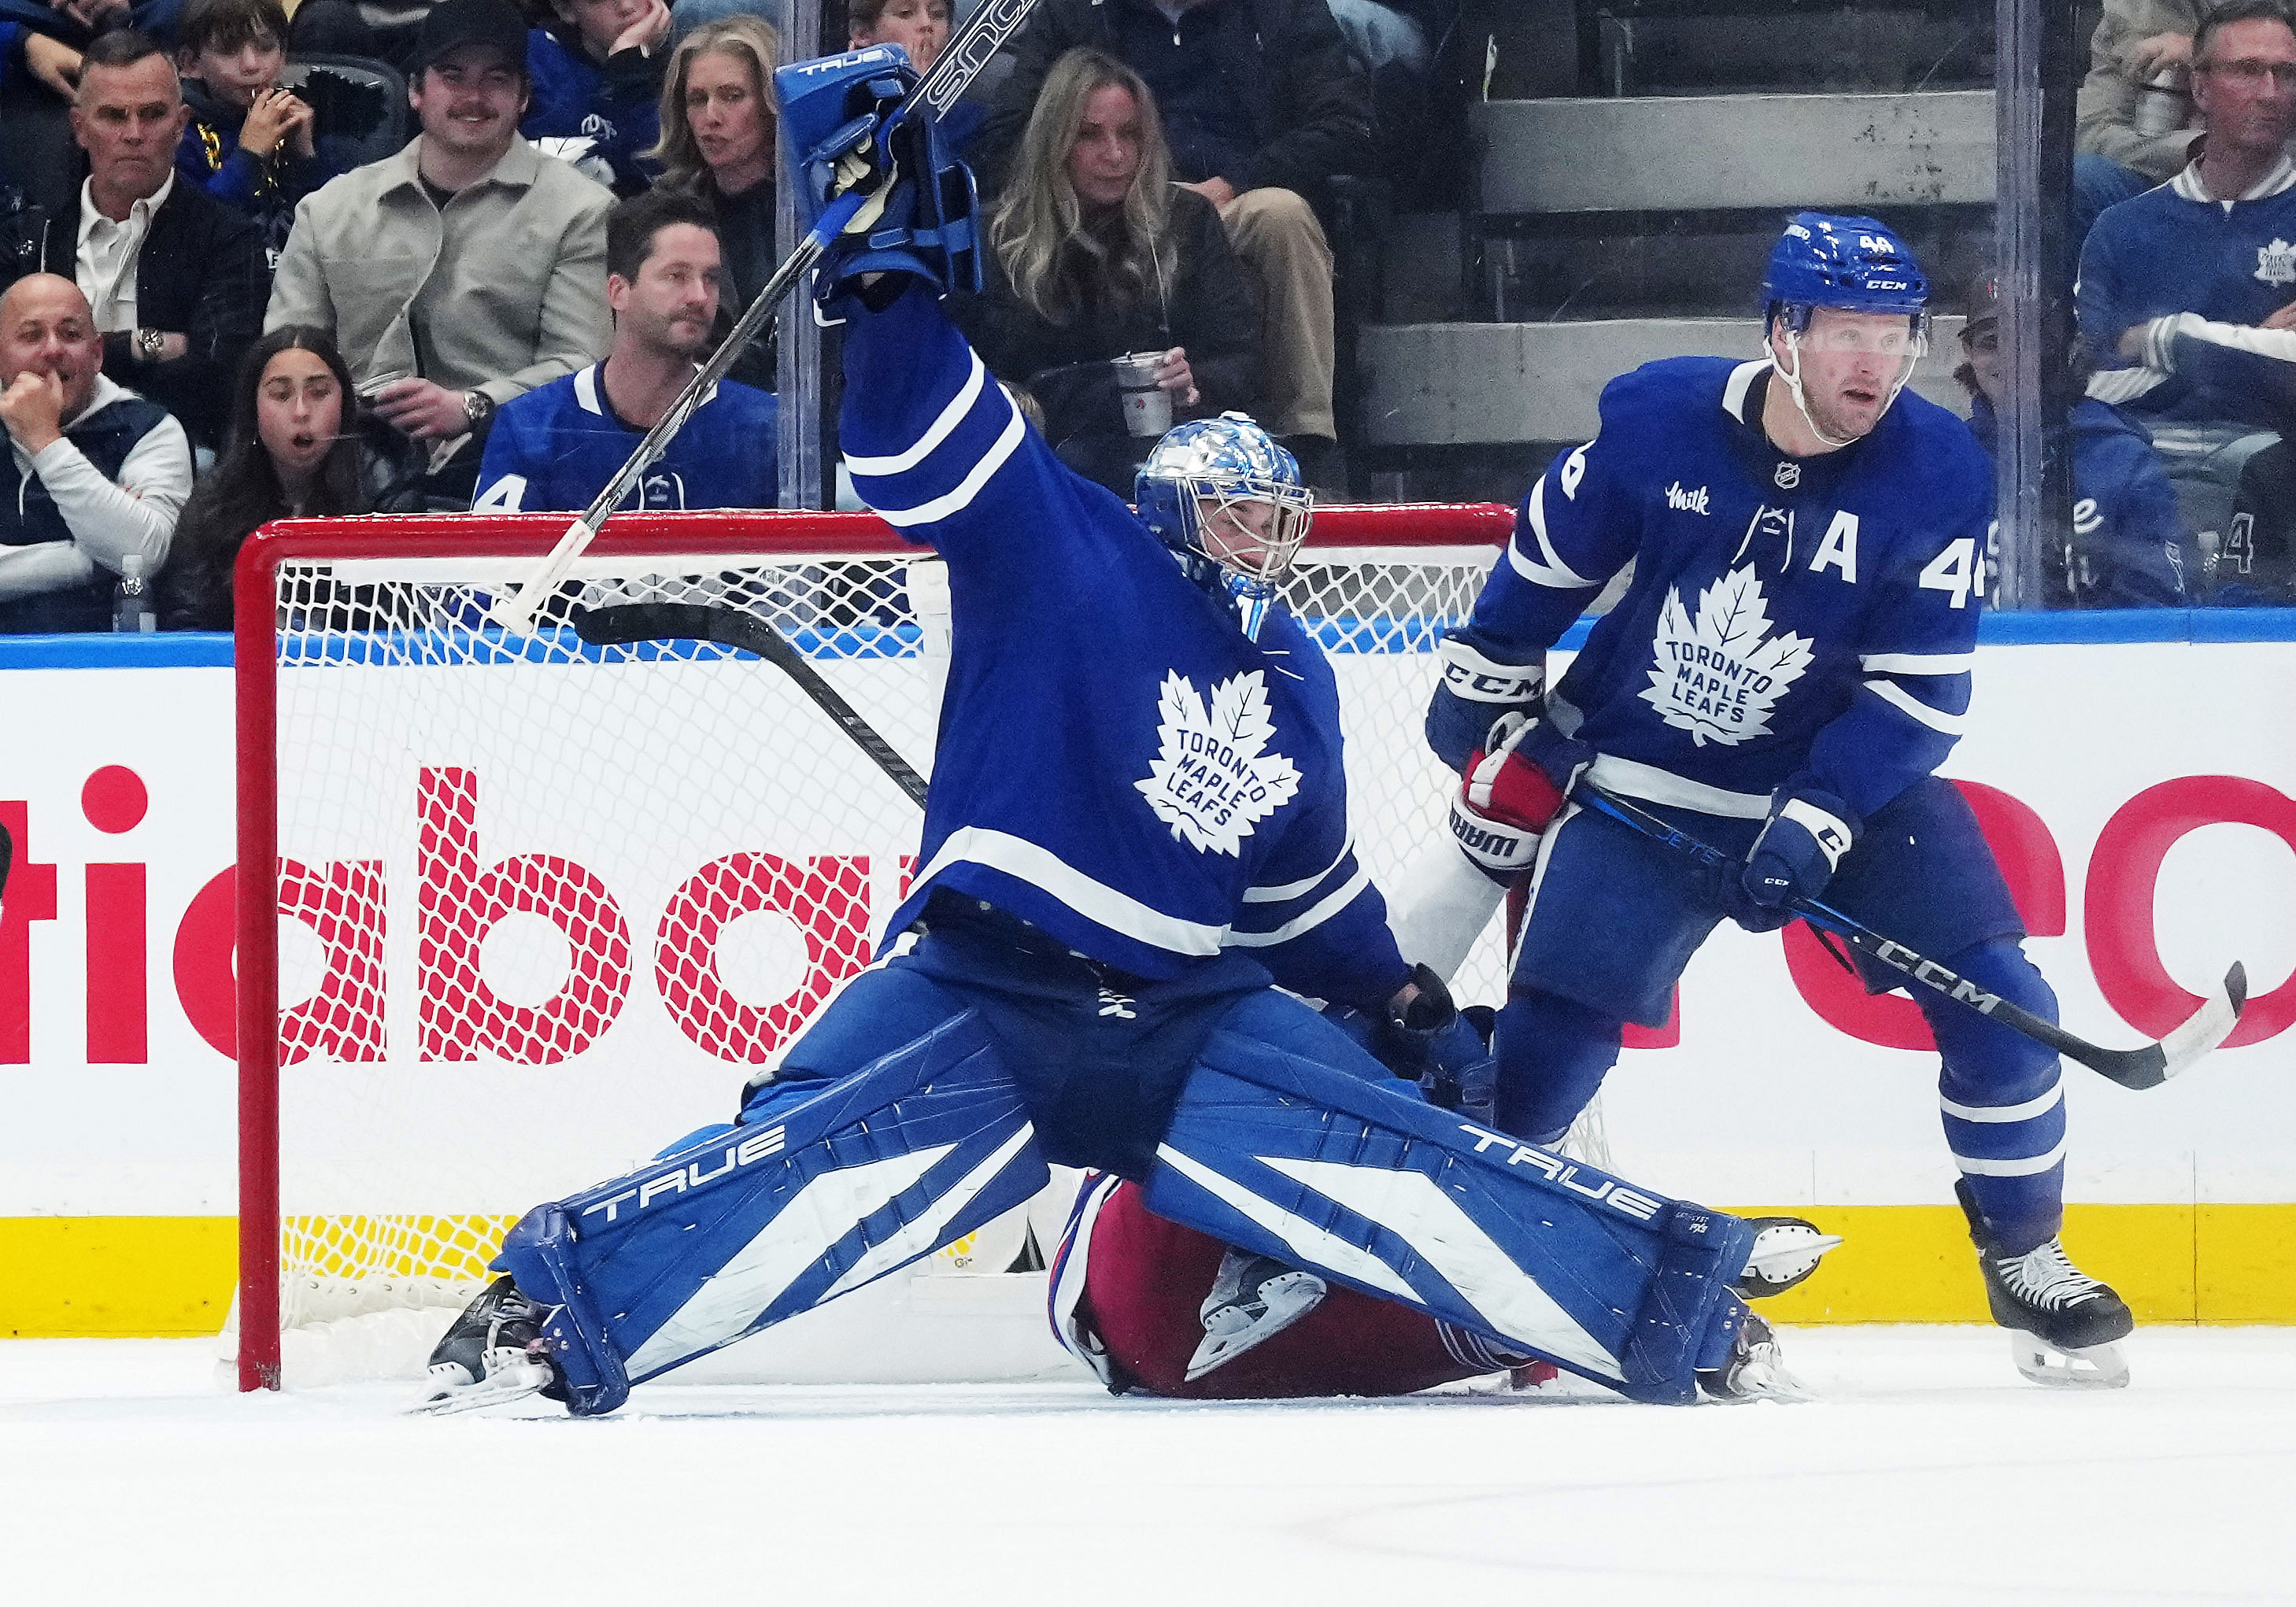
[1786, 1250]
[1755, 1369]
[2063, 1325]
[1254, 1298]
[494, 1353]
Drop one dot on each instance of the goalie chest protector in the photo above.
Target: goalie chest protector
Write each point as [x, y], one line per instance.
[1116, 762]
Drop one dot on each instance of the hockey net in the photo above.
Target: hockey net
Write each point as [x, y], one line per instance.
[538, 908]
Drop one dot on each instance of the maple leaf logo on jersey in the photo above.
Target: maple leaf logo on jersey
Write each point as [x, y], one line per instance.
[1719, 678]
[1212, 781]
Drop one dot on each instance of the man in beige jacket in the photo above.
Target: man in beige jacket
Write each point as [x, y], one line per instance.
[465, 270]
[2134, 123]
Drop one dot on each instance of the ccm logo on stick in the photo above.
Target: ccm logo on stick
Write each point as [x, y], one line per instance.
[755, 1148]
[1642, 1208]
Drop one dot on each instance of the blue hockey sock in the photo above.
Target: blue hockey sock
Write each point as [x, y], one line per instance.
[825, 1186]
[1275, 1151]
[2003, 1108]
[1553, 1055]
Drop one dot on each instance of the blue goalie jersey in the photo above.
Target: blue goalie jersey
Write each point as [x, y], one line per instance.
[1117, 763]
[1786, 614]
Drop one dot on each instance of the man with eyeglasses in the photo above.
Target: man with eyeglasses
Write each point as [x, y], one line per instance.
[2192, 285]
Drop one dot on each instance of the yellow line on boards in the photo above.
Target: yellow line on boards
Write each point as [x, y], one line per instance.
[161, 1276]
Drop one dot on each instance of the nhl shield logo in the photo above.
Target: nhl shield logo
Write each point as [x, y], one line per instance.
[2275, 264]
[1788, 476]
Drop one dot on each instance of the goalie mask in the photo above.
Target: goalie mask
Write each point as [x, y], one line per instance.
[1223, 496]
[1854, 265]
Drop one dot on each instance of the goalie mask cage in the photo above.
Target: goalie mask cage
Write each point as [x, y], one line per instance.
[514, 912]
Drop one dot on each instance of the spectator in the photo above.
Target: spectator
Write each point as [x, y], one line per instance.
[2135, 127]
[597, 74]
[383, 30]
[98, 472]
[463, 271]
[296, 449]
[1093, 252]
[718, 143]
[557, 448]
[175, 281]
[1263, 105]
[248, 142]
[919, 26]
[2195, 281]
[29, 44]
[2127, 548]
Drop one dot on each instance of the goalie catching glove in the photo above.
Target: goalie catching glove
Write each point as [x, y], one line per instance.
[849, 118]
[1430, 1041]
[1800, 845]
[1513, 793]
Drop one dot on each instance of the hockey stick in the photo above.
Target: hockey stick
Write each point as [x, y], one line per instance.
[2145, 1068]
[967, 51]
[630, 622]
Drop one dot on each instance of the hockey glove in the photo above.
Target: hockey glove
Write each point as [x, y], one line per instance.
[1475, 693]
[1432, 1042]
[1512, 793]
[1801, 843]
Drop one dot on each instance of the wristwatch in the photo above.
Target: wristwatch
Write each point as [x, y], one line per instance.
[149, 343]
[478, 408]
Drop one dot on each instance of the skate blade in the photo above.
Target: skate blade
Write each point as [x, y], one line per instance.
[1784, 1254]
[2090, 1367]
[1289, 1298]
[1764, 1378]
[515, 1381]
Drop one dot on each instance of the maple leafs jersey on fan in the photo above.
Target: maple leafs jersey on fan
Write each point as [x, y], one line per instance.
[1786, 614]
[553, 449]
[1117, 763]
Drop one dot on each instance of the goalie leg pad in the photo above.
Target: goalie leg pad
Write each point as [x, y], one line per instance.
[845, 1180]
[1283, 1155]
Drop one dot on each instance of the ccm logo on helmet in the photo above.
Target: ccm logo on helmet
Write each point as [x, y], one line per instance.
[1617, 1196]
[756, 1147]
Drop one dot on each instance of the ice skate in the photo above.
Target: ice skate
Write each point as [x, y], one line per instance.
[2063, 1325]
[1755, 1369]
[1786, 1250]
[1254, 1298]
[495, 1352]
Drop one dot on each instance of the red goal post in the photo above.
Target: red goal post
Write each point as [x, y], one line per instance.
[457, 828]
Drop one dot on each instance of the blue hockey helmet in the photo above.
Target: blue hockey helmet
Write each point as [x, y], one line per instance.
[1197, 490]
[1856, 265]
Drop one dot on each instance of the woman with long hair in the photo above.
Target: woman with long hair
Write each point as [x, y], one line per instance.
[1096, 253]
[718, 132]
[295, 449]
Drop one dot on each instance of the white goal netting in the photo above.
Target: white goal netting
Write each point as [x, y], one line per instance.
[544, 907]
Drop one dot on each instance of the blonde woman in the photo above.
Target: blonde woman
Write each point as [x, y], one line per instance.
[718, 129]
[1095, 252]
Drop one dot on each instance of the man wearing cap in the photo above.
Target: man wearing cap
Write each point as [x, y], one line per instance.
[468, 268]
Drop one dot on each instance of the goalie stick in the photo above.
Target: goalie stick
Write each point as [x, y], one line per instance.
[961, 59]
[2145, 1068]
[630, 622]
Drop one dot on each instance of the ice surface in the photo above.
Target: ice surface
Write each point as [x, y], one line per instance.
[1929, 1472]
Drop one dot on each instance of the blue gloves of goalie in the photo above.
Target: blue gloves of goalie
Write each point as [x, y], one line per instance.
[848, 116]
[1432, 1042]
[1800, 845]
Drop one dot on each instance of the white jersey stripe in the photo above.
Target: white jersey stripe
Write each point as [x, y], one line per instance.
[937, 431]
[2023, 1112]
[1554, 573]
[1306, 884]
[1896, 696]
[1095, 900]
[1316, 915]
[967, 489]
[1654, 785]
[1977, 1166]
[1917, 663]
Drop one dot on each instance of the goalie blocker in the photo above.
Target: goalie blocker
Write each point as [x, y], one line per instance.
[836, 1175]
